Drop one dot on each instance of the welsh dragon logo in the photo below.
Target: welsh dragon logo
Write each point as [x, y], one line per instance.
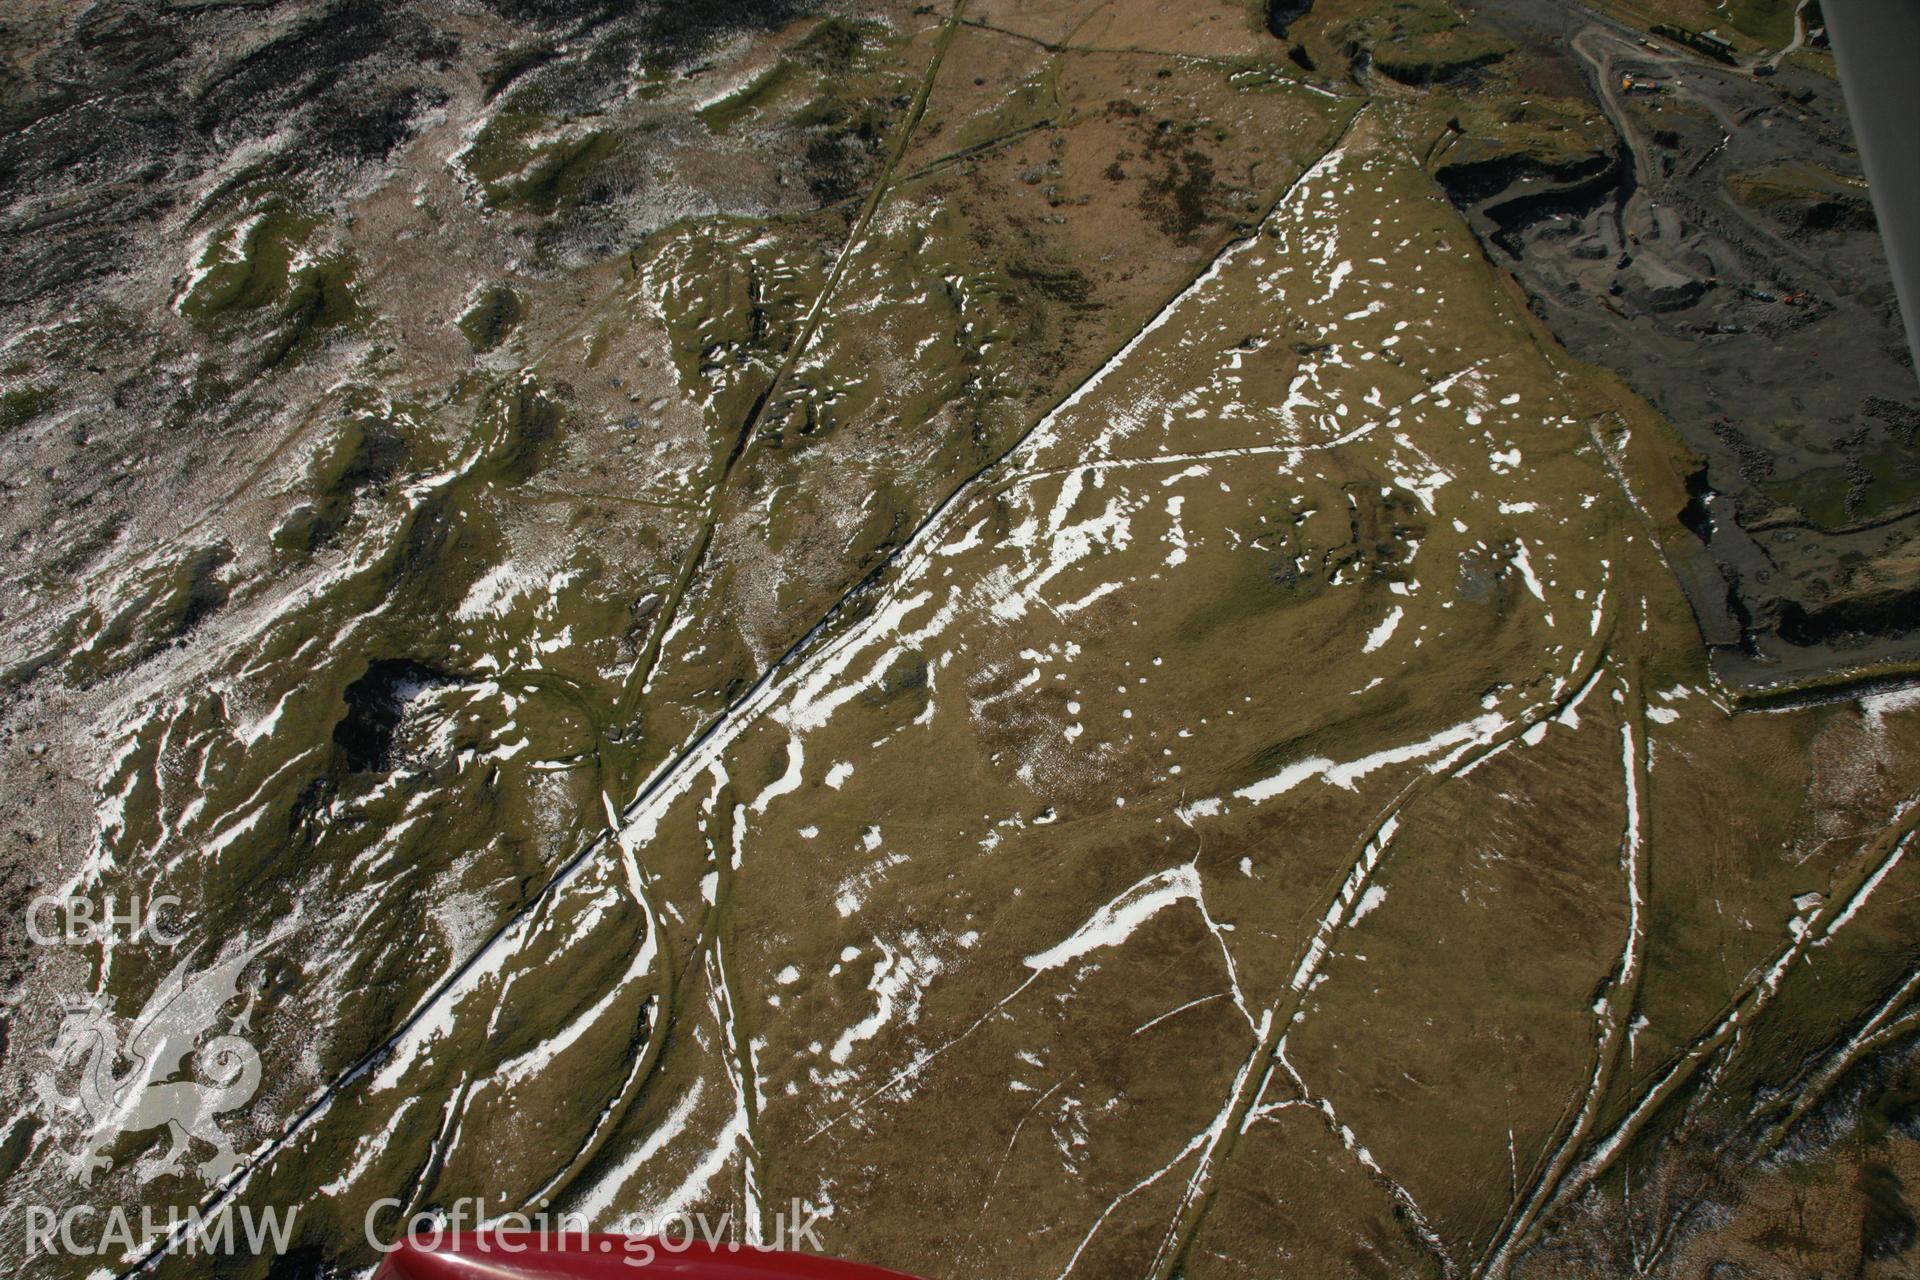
[147, 1092]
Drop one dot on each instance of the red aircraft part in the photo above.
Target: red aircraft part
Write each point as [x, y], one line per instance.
[531, 1256]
